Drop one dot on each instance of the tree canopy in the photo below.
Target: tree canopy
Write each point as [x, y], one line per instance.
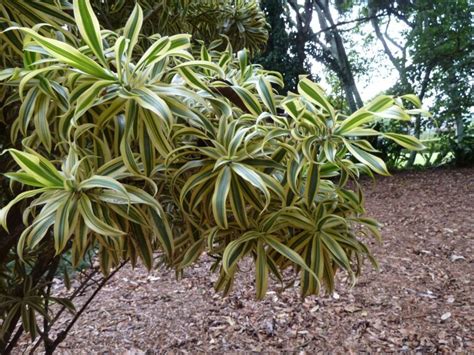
[427, 43]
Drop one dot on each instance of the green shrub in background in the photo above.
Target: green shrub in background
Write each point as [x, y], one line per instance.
[129, 144]
[455, 151]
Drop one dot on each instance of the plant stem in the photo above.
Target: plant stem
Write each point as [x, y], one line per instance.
[62, 335]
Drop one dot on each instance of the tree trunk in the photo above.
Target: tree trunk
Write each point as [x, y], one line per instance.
[338, 52]
[303, 29]
[424, 87]
[417, 133]
[459, 129]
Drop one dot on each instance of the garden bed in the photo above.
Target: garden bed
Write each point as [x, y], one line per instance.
[420, 299]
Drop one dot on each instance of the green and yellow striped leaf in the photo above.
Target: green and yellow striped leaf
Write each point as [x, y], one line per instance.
[38, 167]
[62, 227]
[288, 253]
[133, 27]
[89, 28]
[406, 141]
[261, 270]
[67, 54]
[93, 222]
[372, 161]
[219, 198]
[315, 94]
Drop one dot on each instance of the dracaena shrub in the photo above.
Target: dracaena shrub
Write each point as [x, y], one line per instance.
[182, 149]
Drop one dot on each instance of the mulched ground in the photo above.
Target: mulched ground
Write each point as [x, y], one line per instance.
[420, 300]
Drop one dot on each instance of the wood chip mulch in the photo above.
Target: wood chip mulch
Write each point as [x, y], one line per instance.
[420, 300]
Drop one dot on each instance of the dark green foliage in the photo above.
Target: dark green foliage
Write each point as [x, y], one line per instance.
[462, 150]
[280, 51]
[441, 42]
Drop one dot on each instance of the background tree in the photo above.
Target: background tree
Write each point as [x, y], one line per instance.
[324, 44]
[427, 43]
[433, 59]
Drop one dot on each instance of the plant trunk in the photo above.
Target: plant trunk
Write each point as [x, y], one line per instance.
[42, 265]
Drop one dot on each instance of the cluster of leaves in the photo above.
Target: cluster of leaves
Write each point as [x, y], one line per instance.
[241, 21]
[184, 150]
[28, 13]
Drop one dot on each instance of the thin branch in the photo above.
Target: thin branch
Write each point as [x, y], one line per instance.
[49, 280]
[403, 18]
[342, 23]
[388, 36]
[426, 80]
[324, 47]
[301, 22]
[82, 272]
[62, 335]
[14, 340]
[78, 292]
[386, 48]
[399, 46]
[294, 5]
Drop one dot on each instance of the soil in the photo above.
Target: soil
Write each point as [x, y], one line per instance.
[421, 299]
